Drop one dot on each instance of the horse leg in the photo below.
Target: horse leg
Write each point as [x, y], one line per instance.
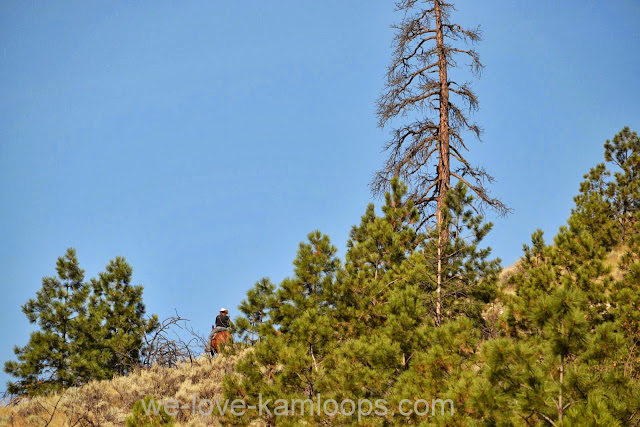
[214, 346]
[214, 349]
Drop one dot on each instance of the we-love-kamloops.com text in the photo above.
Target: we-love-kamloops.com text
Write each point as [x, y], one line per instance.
[302, 407]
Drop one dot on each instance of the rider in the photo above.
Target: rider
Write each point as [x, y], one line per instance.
[222, 320]
[223, 323]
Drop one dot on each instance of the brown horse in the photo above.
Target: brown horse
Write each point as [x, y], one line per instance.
[218, 340]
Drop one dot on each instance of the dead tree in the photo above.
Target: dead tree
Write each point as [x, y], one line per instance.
[167, 347]
[427, 148]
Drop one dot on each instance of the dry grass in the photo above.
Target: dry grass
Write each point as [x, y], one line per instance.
[503, 280]
[108, 403]
[613, 260]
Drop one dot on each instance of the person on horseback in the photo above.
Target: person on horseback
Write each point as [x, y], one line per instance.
[223, 323]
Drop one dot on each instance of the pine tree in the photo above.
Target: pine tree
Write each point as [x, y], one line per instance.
[288, 362]
[624, 152]
[569, 353]
[467, 277]
[544, 372]
[619, 345]
[119, 313]
[375, 250]
[419, 80]
[594, 207]
[441, 359]
[444, 369]
[53, 357]
[88, 331]
[398, 353]
[606, 206]
[255, 309]
[380, 309]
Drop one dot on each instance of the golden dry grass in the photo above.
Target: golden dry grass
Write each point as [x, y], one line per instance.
[108, 403]
[613, 260]
[503, 279]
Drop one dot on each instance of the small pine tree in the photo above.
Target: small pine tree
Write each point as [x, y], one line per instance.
[594, 207]
[118, 312]
[607, 207]
[380, 312]
[624, 152]
[288, 362]
[398, 353]
[375, 250]
[255, 309]
[53, 357]
[149, 413]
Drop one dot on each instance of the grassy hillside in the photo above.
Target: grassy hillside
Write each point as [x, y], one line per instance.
[107, 403]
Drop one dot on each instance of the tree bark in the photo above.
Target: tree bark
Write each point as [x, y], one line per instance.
[444, 172]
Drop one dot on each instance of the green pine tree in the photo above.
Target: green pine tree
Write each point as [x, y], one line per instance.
[255, 309]
[607, 207]
[619, 344]
[547, 370]
[53, 357]
[468, 276]
[569, 352]
[624, 152]
[375, 250]
[399, 353]
[289, 361]
[440, 359]
[118, 312]
[594, 207]
[378, 307]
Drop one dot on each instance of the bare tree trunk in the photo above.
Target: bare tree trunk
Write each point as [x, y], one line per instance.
[444, 170]
[418, 84]
[444, 176]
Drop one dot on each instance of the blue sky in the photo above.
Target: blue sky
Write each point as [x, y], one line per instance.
[203, 140]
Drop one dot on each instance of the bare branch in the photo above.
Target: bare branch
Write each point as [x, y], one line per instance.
[418, 89]
[167, 348]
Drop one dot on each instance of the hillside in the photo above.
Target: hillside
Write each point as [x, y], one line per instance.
[108, 403]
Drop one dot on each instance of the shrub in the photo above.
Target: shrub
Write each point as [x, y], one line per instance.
[148, 413]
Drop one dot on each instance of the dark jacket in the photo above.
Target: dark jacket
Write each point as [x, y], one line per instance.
[223, 321]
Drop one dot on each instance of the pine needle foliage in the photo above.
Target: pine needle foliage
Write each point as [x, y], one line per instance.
[52, 360]
[86, 330]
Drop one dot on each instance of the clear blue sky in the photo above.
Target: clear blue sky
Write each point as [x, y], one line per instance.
[203, 140]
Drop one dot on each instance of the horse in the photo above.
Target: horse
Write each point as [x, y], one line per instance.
[218, 340]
